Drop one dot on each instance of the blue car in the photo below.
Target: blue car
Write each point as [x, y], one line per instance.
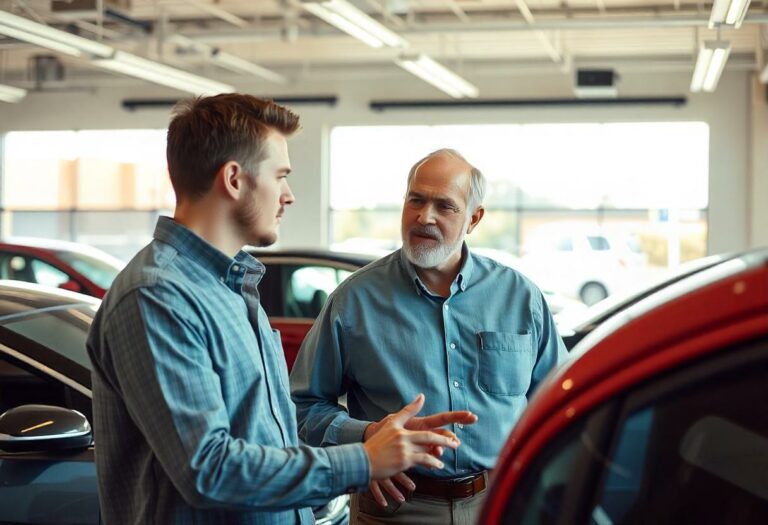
[47, 472]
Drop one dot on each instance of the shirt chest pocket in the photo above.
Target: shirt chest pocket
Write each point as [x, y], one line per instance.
[506, 363]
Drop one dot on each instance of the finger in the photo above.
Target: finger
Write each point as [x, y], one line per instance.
[377, 495]
[409, 410]
[445, 432]
[426, 437]
[404, 481]
[427, 460]
[392, 489]
[465, 417]
[437, 451]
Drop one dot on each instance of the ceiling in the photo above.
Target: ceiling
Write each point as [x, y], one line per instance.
[466, 35]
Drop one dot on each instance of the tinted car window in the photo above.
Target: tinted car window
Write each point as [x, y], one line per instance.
[100, 272]
[46, 274]
[63, 329]
[710, 438]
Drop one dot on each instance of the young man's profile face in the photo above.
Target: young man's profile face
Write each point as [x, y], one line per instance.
[263, 202]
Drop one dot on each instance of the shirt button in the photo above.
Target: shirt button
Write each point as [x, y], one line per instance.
[461, 426]
[456, 384]
[221, 279]
[445, 306]
[453, 346]
[235, 268]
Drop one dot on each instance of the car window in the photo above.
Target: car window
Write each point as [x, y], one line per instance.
[46, 274]
[709, 438]
[700, 430]
[63, 330]
[598, 243]
[308, 288]
[20, 385]
[101, 272]
[564, 244]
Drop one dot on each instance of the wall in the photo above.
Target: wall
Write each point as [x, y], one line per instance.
[736, 209]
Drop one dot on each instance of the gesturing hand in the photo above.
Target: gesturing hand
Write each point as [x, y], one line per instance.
[402, 440]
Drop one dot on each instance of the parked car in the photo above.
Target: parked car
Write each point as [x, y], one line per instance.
[574, 324]
[47, 473]
[59, 264]
[660, 417]
[588, 265]
[296, 285]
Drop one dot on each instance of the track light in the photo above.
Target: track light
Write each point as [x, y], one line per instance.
[438, 75]
[728, 12]
[158, 73]
[348, 18]
[51, 38]
[11, 94]
[709, 65]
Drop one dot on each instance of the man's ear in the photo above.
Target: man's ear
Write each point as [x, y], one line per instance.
[229, 178]
[479, 212]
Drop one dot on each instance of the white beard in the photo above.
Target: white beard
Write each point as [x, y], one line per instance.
[424, 257]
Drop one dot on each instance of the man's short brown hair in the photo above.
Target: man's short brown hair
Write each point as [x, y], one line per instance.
[207, 132]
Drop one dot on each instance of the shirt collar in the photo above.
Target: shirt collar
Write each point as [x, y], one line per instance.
[462, 278]
[203, 253]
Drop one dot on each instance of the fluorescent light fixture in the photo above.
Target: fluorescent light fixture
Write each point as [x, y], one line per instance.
[438, 75]
[51, 38]
[728, 12]
[348, 18]
[709, 65]
[158, 73]
[11, 94]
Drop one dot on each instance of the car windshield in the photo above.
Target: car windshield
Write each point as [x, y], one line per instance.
[100, 270]
[63, 329]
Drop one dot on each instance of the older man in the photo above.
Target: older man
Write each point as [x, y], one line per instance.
[432, 317]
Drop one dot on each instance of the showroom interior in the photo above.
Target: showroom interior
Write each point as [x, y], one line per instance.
[588, 118]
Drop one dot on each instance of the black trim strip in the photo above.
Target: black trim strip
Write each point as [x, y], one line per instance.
[133, 104]
[382, 105]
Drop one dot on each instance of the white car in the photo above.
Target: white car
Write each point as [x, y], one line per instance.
[587, 265]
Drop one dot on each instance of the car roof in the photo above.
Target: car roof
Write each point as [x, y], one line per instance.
[642, 341]
[356, 259]
[54, 245]
[19, 298]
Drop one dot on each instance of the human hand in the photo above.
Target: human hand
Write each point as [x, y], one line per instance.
[392, 448]
[389, 486]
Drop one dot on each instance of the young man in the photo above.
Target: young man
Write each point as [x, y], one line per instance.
[192, 416]
[432, 317]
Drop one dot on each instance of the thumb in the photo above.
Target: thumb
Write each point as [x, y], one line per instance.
[409, 410]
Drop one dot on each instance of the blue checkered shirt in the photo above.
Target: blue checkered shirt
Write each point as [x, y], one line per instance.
[383, 337]
[193, 420]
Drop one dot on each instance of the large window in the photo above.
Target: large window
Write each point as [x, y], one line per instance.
[613, 203]
[103, 188]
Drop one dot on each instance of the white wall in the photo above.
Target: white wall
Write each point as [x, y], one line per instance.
[738, 175]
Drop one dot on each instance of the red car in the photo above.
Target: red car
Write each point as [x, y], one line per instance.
[660, 418]
[297, 284]
[59, 264]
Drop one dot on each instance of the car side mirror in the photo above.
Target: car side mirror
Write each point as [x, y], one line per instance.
[37, 428]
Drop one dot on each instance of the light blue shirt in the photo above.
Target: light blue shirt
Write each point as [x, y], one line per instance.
[193, 420]
[383, 337]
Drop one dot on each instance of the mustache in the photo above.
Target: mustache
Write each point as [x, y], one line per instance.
[429, 230]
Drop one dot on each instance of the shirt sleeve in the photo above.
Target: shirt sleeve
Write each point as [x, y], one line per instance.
[551, 350]
[167, 381]
[318, 380]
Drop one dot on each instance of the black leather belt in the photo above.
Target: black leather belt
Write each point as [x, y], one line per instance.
[448, 488]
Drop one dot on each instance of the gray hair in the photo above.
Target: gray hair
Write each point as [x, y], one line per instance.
[476, 182]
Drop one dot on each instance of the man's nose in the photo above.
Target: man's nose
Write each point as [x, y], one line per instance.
[427, 215]
[287, 196]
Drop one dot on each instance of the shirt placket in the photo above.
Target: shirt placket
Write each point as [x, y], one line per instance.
[457, 375]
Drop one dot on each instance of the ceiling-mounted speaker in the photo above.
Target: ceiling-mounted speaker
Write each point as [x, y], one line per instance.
[596, 83]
